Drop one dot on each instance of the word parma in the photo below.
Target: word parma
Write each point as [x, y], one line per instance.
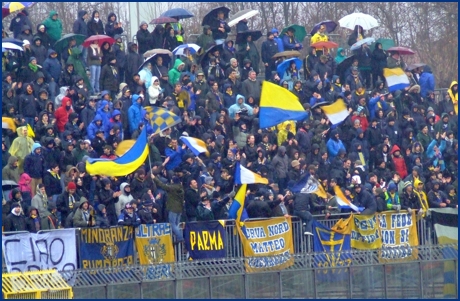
[206, 240]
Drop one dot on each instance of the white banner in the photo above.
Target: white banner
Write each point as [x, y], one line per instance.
[33, 252]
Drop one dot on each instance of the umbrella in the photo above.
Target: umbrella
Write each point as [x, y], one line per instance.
[212, 48]
[242, 36]
[358, 44]
[9, 185]
[289, 53]
[11, 7]
[402, 50]
[179, 50]
[343, 66]
[11, 46]
[386, 43]
[178, 13]
[163, 20]
[241, 15]
[299, 32]
[365, 21]
[330, 26]
[14, 41]
[415, 66]
[285, 65]
[100, 38]
[63, 42]
[150, 59]
[209, 18]
[164, 53]
[325, 44]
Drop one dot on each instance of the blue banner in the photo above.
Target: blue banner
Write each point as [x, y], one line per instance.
[102, 248]
[332, 245]
[205, 239]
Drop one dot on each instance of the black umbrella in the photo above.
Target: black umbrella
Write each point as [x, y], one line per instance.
[343, 66]
[209, 18]
[210, 49]
[241, 37]
[151, 59]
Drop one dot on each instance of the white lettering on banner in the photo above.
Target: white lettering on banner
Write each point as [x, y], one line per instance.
[401, 220]
[268, 262]
[257, 232]
[34, 252]
[278, 229]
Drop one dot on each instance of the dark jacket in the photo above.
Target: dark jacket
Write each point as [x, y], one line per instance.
[34, 165]
[120, 55]
[366, 200]
[62, 204]
[17, 23]
[106, 198]
[27, 105]
[108, 80]
[175, 202]
[79, 26]
[39, 52]
[144, 40]
[192, 200]
[52, 184]
[15, 222]
[51, 67]
[110, 29]
[133, 62]
[95, 27]
[125, 220]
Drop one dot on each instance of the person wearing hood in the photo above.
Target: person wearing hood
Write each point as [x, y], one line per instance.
[238, 106]
[157, 37]
[205, 39]
[436, 197]
[43, 35]
[102, 221]
[95, 126]
[62, 113]
[155, 91]
[144, 38]
[82, 217]
[114, 121]
[79, 25]
[135, 112]
[109, 79]
[33, 220]
[21, 146]
[133, 61]
[53, 27]
[11, 171]
[39, 51]
[378, 62]
[435, 151]
[113, 27]
[34, 166]
[340, 56]
[124, 198]
[109, 198]
[248, 50]
[78, 60]
[309, 63]
[26, 34]
[426, 81]
[18, 22]
[94, 25]
[175, 72]
[280, 165]
[453, 93]
[119, 51]
[15, 221]
[334, 144]
[52, 70]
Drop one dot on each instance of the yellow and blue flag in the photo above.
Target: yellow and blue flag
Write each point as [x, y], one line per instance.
[124, 165]
[308, 184]
[196, 145]
[245, 176]
[396, 79]
[161, 118]
[336, 112]
[278, 104]
[237, 210]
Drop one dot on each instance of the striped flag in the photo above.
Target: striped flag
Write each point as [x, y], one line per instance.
[245, 176]
[336, 112]
[196, 145]
[343, 201]
[8, 123]
[396, 79]
[237, 210]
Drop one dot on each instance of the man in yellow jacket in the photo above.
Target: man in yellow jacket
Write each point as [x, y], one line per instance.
[21, 147]
[319, 36]
[453, 93]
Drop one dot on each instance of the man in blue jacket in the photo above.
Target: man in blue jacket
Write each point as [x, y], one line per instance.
[426, 81]
[289, 41]
[134, 112]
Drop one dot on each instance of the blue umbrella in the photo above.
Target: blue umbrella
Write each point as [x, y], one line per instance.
[358, 44]
[330, 26]
[285, 65]
[12, 40]
[177, 13]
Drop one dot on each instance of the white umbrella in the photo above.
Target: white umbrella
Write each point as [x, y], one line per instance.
[244, 14]
[11, 46]
[358, 44]
[365, 21]
[179, 50]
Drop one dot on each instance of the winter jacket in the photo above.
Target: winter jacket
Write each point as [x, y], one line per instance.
[134, 114]
[124, 219]
[133, 61]
[426, 81]
[438, 161]
[81, 218]
[15, 222]
[249, 87]
[93, 128]
[9, 172]
[333, 146]
[39, 52]
[51, 67]
[174, 73]
[192, 200]
[109, 79]
[95, 27]
[175, 201]
[34, 163]
[106, 198]
[280, 163]
[217, 34]
[64, 205]
[175, 157]
[53, 27]
[399, 162]
[110, 29]
[120, 55]
[366, 200]
[52, 184]
[236, 107]
[144, 40]
[79, 26]
[62, 115]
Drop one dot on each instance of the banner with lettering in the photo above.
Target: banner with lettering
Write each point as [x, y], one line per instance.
[365, 232]
[330, 249]
[110, 247]
[399, 236]
[206, 239]
[270, 241]
[25, 252]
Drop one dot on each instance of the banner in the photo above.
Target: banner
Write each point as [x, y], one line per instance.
[399, 235]
[205, 239]
[333, 246]
[365, 232]
[269, 240]
[34, 252]
[102, 248]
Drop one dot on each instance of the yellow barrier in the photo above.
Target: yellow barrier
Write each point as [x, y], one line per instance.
[35, 285]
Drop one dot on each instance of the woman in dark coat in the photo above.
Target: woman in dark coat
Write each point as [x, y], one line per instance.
[170, 41]
[95, 25]
[108, 198]
[144, 39]
[157, 36]
[379, 61]
[356, 35]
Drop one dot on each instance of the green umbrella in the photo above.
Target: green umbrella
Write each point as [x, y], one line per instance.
[63, 42]
[386, 43]
[300, 32]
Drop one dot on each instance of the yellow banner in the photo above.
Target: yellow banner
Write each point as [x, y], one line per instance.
[365, 232]
[399, 235]
[269, 240]
[154, 244]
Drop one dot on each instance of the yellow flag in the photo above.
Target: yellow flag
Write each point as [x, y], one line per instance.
[123, 147]
[30, 131]
[342, 226]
